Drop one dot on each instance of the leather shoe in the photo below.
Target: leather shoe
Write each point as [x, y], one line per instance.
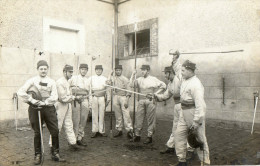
[148, 140]
[75, 147]
[167, 150]
[103, 134]
[118, 133]
[56, 157]
[94, 135]
[182, 164]
[37, 159]
[81, 143]
[129, 134]
[136, 139]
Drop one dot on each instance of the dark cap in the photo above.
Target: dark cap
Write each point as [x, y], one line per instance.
[68, 68]
[145, 67]
[189, 65]
[83, 65]
[42, 63]
[118, 67]
[168, 69]
[98, 67]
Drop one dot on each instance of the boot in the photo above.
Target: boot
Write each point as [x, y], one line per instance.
[81, 143]
[118, 133]
[37, 159]
[75, 147]
[182, 164]
[103, 134]
[148, 140]
[168, 150]
[129, 134]
[94, 135]
[56, 157]
[136, 139]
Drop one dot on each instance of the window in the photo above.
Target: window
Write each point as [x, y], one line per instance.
[142, 42]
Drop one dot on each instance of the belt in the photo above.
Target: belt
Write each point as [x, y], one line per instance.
[177, 100]
[99, 93]
[187, 106]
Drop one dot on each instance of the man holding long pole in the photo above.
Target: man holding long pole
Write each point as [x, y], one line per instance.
[48, 91]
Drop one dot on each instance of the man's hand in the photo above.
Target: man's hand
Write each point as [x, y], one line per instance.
[41, 103]
[35, 102]
[195, 126]
[107, 102]
[134, 72]
[126, 105]
[151, 96]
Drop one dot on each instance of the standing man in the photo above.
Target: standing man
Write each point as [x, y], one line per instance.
[146, 84]
[48, 91]
[173, 89]
[63, 106]
[100, 100]
[80, 109]
[121, 101]
[193, 114]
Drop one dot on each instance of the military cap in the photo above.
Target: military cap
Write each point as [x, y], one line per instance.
[68, 68]
[189, 65]
[118, 67]
[168, 69]
[145, 67]
[42, 63]
[98, 67]
[83, 65]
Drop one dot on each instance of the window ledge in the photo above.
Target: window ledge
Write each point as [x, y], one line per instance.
[138, 56]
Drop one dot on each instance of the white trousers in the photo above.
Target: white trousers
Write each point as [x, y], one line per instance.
[185, 122]
[98, 114]
[64, 115]
[79, 118]
[122, 114]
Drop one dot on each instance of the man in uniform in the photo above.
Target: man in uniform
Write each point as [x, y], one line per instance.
[48, 92]
[100, 99]
[120, 102]
[193, 114]
[80, 109]
[146, 84]
[173, 89]
[63, 107]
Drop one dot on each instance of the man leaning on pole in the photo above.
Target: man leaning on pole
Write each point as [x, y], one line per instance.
[48, 91]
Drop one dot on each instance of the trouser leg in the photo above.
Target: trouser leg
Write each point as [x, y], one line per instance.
[151, 117]
[177, 109]
[101, 114]
[34, 120]
[139, 117]
[126, 114]
[181, 139]
[118, 113]
[95, 114]
[50, 118]
[83, 120]
[202, 136]
[68, 126]
[75, 117]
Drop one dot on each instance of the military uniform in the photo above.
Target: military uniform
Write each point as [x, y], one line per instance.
[48, 92]
[100, 94]
[193, 114]
[63, 107]
[122, 114]
[145, 106]
[80, 111]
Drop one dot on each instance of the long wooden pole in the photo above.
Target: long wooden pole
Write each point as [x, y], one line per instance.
[135, 28]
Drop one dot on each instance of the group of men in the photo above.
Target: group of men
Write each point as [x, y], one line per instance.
[68, 102]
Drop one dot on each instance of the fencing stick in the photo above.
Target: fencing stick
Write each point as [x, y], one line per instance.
[40, 126]
[254, 115]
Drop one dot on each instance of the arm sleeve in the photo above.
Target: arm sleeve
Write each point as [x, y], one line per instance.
[62, 93]
[160, 85]
[22, 92]
[177, 69]
[165, 96]
[54, 95]
[198, 96]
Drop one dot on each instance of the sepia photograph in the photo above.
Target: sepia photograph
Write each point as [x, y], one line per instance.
[129, 82]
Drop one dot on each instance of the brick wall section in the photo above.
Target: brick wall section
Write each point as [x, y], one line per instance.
[151, 24]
